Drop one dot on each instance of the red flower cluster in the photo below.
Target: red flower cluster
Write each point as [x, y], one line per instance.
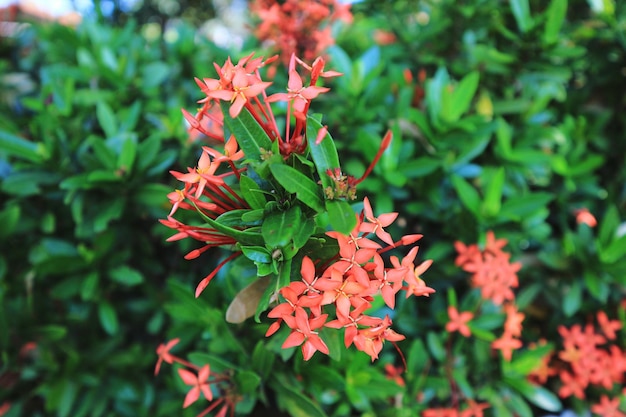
[473, 409]
[206, 188]
[495, 276]
[301, 27]
[349, 284]
[588, 358]
[492, 270]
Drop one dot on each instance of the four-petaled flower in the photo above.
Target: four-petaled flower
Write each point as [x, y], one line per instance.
[303, 333]
[199, 383]
[163, 350]
[458, 321]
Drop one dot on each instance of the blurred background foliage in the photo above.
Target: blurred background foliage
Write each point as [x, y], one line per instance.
[507, 116]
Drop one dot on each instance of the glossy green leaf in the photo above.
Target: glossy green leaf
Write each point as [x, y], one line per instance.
[462, 96]
[521, 12]
[245, 237]
[555, 16]
[20, 147]
[251, 192]
[324, 154]
[262, 359]
[303, 233]
[417, 357]
[127, 156]
[526, 361]
[493, 193]
[108, 317]
[279, 227]
[51, 332]
[305, 189]
[614, 252]
[341, 216]
[468, 194]
[596, 286]
[107, 119]
[536, 394]
[247, 381]
[294, 402]
[257, 254]
[250, 136]
[433, 341]
[572, 299]
[8, 219]
[90, 286]
[523, 206]
[420, 167]
[126, 275]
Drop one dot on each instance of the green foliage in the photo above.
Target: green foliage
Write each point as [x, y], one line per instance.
[85, 152]
[511, 121]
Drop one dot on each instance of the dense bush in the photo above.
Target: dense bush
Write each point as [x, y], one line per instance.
[507, 121]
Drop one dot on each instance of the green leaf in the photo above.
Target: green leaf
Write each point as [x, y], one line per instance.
[525, 206]
[245, 237]
[51, 333]
[108, 318]
[614, 252]
[493, 194]
[526, 361]
[303, 233]
[262, 359]
[537, 395]
[608, 225]
[250, 136]
[293, 401]
[462, 96]
[419, 167]
[127, 155]
[341, 216]
[435, 346]
[154, 73]
[325, 154]
[257, 254]
[521, 12]
[572, 299]
[556, 14]
[8, 219]
[106, 118]
[468, 195]
[247, 381]
[90, 285]
[279, 227]
[21, 148]
[126, 275]
[251, 192]
[596, 286]
[305, 189]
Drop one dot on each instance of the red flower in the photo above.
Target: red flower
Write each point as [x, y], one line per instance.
[300, 96]
[607, 407]
[458, 322]
[376, 224]
[303, 333]
[506, 344]
[609, 327]
[199, 383]
[163, 350]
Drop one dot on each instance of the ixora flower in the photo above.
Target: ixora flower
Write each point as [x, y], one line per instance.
[280, 200]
